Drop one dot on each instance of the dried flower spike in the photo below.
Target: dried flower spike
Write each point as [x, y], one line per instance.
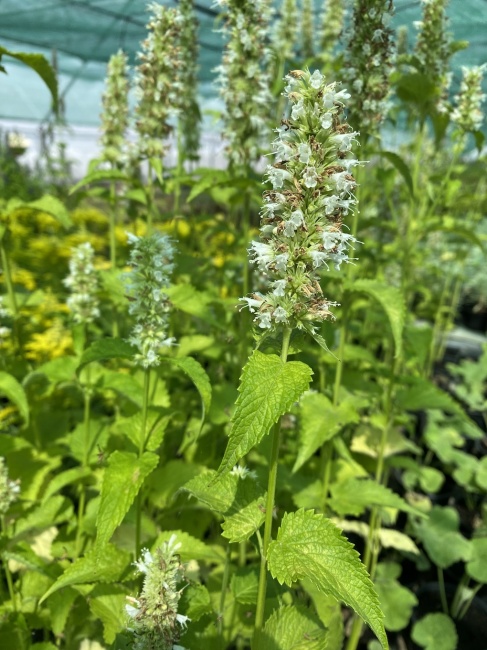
[302, 217]
[83, 284]
[151, 261]
[153, 615]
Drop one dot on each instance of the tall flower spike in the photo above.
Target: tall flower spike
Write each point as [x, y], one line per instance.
[189, 115]
[331, 27]
[82, 281]
[153, 616]
[368, 63]
[151, 261]
[157, 87]
[115, 115]
[285, 32]
[9, 490]
[307, 32]
[302, 216]
[468, 112]
[433, 48]
[243, 80]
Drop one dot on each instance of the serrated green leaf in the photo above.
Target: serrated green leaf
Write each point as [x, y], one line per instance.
[65, 478]
[122, 480]
[435, 632]
[291, 628]
[123, 384]
[191, 547]
[41, 66]
[54, 207]
[191, 301]
[107, 603]
[353, 496]
[320, 421]
[329, 611]
[61, 369]
[309, 546]
[197, 601]
[388, 537]
[401, 167]
[106, 349]
[392, 302]
[477, 565]
[60, 605]
[239, 500]
[101, 175]
[155, 428]
[441, 539]
[268, 389]
[245, 585]
[397, 602]
[165, 481]
[107, 566]
[52, 512]
[421, 394]
[481, 473]
[198, 376]
[10, 388]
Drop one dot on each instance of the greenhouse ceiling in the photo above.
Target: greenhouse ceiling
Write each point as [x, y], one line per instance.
[82, 34]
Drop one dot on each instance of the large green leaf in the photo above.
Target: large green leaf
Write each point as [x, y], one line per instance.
[268, 388]
[39, 64]
[100, 175]
[239, 500]
[107, 603]
[397, 602]
[435, 632]
[54, 207]
[353, 496]
[477, 565]
[10, 388]
[291, 628]
[197, 303]
[400, 165]
[440, 535]
[106, 349]
[198, 376]
[108, 566]
[392, 302]
[65, 478]
[421, 394]
[309, 546]
[320, 421]
[122, 481]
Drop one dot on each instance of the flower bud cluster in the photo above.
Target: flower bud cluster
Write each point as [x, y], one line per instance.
[468, 112]
[433, 48]
[285, 32]
[154, 617]
[82, 281]
[157, 86]
[368, 63]
[9, 490]
[115, 115]
[189, 115]
[307, 31]
[151, 261]
[243, 80]
[302, 217]
[331, 27]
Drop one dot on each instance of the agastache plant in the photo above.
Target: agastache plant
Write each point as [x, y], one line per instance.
[115, 114]
[307, 31]
[368, 64]
[433, 49]
[153, 615]
[244, 80]
[303, 229]
[151, 261]
[4, 330]
[331, 27]
[157, 86]
[468, 114]
[9, 490]
[82, 282]
[285, 32]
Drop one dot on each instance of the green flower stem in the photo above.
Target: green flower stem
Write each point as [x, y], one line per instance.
[8, 575]
[113, 218]
[142, 443]
[8, 280]
[441, 582]
[468, 602]
[457, 599]
[436, 336]
[179, 170]
[457, 289]
[223, 595]
[86, 455]
[269, 509]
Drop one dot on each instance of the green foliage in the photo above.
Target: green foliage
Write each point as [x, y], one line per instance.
[435, 632]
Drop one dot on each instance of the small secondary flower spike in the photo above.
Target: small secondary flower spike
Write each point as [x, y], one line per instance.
[4, 330]
[468, 112]
[9, 490]
[151, 261]
[331, 27]
[302, 217]
[115, 115]
[82, 281]
[154, 617]
[189, 114]
[285, 32]
[307, 31]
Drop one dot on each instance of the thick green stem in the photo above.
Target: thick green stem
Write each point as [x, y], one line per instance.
[142, 444]
[271, 492]
[8, 281]
[441, 581]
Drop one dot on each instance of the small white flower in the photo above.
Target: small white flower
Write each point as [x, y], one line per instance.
[319, 258]
[280, 315]
[298, 110]
[264, 320]
[281, 261]
[316, 79]
[279, 287]
[327, 120]
[304, 152]
[310, 177]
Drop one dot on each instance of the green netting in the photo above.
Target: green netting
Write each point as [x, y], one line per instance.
[84, 33]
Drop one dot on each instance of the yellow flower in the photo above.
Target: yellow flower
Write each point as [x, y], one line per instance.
[54, 342]
[25, 278]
